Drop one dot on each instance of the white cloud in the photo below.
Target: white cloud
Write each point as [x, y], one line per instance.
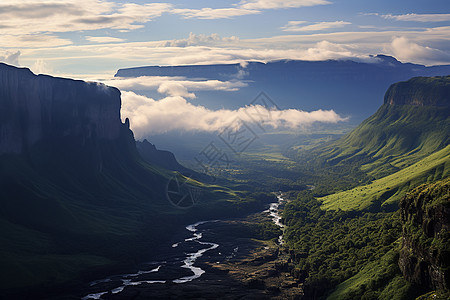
[214, 13]
[103, 39]
[148, 116]
[201, 39]
[246, 7]
[31, 17]
[10, 58]
[406, 50]
[276, 4]
[175, 89]
[32, 40]
[174, 86]
[419, 17]
[41, 67]
[294, 26]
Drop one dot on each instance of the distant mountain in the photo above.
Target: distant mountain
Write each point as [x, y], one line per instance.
[349, 87]
[75, 195]
[404, 144]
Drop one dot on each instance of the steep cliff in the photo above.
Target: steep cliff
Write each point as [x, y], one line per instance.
[74, 193]
[413, 123]
[420, 91]
[425, 250]
[34, 108]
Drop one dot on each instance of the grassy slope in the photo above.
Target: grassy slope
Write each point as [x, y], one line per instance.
[388, 190]
[395, 137]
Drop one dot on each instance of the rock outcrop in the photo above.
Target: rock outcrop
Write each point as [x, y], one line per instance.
[425, 251]
[420, 91]
[36, 107]
[161, 158]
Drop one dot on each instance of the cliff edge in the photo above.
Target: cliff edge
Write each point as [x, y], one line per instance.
[36, 107]
[420, 91]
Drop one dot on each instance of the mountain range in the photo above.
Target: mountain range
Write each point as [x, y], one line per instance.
[351, 88]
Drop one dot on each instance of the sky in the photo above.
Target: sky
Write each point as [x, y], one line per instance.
[92, 39]
[87, 37]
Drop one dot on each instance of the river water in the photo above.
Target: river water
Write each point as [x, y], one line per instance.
[275, 214]
[181, 259]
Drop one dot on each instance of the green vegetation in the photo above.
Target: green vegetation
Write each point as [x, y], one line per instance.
[380, 279]
[393, 138]
[345, 234]
[387, 191]
[75, 208]
[428, 91]
[331, 246]
[426, 237]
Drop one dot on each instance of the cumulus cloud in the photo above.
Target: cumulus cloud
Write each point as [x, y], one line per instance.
[419, 17]
[41, 67]
[175, 89]
[148, 116]
[10, 58]
[406, 50]
[294, 26]
[276, 4]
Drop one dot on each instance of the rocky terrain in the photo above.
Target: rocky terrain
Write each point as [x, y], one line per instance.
[242, 267]
[425, 250]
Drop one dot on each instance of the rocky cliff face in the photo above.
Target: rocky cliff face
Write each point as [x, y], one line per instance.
[425, 252]
[420, 91]
[33, 108]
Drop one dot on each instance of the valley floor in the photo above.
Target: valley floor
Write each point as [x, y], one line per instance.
[242, 267]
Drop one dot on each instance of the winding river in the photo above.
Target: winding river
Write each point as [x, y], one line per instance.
[275, 214]
[183, 256]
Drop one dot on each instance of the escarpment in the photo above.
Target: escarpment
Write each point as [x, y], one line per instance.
[38, 107]
[420, 91]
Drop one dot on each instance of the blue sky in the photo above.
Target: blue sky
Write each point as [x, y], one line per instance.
[87, 37]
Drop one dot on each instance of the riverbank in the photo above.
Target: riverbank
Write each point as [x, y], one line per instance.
[244, 265]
